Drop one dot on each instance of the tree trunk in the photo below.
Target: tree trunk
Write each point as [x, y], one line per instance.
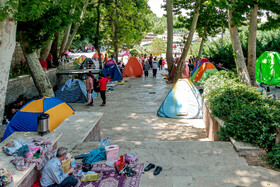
[45, 51]
[66, 35]
[7, 48]
[54, 49]
[116, 52]
[201, 47]
[237, 51]
[203, 39]
[252, 39]
[169, 49]
[96, 39]
[77, 26]
[65, 39]
[39, 76]
[181, 63]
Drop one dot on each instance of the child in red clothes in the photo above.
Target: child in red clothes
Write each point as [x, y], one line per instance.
[102, 83]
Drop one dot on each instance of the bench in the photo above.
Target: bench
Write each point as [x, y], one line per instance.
[27, 177]
[81, 127]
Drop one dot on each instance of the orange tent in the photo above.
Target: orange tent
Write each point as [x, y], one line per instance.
[96, 56]
[133, 68]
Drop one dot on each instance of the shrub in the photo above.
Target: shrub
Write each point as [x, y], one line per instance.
[273, 157]
[247, 114]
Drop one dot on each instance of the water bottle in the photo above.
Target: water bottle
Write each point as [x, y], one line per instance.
[105, 143]
[100, 144]
[108, 141]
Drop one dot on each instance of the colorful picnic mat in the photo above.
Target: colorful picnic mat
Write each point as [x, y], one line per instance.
[108, 177]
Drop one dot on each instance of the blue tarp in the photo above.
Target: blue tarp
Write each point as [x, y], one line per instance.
[113, 70]
[183, 101]
[74, 91]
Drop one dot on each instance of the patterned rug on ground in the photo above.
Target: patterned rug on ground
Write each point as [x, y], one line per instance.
[108, 177]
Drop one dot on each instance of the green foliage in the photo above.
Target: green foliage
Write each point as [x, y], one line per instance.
[247, 114]
[159, 24]
[36, 28]
[126, 21]
[157, 47]
[220, 51]
[19, 69]
[273, 157]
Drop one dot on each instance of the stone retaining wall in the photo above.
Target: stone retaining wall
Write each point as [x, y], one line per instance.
[212, 124]
[24, 85]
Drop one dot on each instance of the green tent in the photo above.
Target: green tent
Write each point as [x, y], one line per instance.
[268, 68]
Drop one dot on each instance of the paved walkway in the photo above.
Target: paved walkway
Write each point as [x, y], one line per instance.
[131, 113]
[179, 146]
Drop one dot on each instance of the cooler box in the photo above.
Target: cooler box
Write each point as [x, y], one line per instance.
[112, 152]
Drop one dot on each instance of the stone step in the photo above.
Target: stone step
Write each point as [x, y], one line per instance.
[192, 163]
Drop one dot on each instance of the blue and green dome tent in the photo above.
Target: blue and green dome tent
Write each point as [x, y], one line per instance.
[183, 101]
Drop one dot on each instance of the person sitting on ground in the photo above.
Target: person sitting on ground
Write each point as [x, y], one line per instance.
[53, 175]
[103, 87]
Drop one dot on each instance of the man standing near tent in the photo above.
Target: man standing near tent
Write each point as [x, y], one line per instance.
[89, 85]
[103, 87]
[155, 67]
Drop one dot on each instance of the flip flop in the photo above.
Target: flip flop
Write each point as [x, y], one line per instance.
[157, 170]
[149, 167]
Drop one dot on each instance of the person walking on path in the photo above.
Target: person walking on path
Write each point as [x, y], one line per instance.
[155, 67]
[160, 64]
[146, 67]
[102, 83]
[89, 86]
[151, 60]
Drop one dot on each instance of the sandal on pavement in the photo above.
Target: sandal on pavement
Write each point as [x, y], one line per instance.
[149, 167]
[157, 170]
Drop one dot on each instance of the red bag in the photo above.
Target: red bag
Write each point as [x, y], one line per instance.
[37, 182]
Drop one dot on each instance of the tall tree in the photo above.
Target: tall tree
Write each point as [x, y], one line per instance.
[126, 22]
[237, 49]
[252, 45]
[37, 23]
[169, 49]
[7, 47]
[195, 16]
[75, 30]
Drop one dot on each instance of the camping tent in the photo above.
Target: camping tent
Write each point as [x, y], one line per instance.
[26, 118]
[97, 57]
[200, 62]
[183, 101]
[113, 70]
[268, 68]
[185, 70]
[74, 91]
[83, 61]
[133, 68]
[203, 72]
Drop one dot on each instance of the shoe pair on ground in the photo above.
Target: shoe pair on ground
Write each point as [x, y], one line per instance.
[103, 105]
[151, 166]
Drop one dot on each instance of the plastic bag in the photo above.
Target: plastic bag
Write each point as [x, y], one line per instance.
[13, 147]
